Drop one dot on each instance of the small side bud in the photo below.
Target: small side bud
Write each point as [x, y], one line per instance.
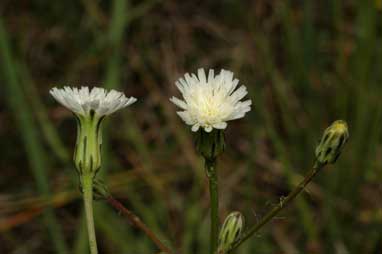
[332, 142]
[100, 190]
[231, 231]
[210, 144]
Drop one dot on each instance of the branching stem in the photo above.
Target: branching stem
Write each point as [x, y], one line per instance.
[272, 213]
[136, 221]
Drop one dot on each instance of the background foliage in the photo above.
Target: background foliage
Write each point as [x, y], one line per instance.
[305, 63]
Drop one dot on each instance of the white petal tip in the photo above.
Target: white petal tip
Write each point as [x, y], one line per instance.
[83, 100]
[195, 128]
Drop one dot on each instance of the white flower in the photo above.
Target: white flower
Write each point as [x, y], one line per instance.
[210, 102]
[82, 101]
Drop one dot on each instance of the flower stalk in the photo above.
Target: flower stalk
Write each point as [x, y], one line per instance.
[210, 145]
[282, 204]
[210, 166]
[87, 189]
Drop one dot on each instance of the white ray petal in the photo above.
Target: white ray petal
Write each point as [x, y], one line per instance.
[82, 101]
[209, 102]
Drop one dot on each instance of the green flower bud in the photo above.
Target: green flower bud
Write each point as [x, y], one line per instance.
[332, 142]
[231, 231]
[87, 154]
[210, 144]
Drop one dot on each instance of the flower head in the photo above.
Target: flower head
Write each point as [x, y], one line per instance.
[82, 101]
[209, 102]
[90, 108]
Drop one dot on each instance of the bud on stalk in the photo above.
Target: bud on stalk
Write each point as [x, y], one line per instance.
[332, 143]
[231, 231]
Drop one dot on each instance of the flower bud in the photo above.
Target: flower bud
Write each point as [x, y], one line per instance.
[231, 231]
[332, 142]
[87, 154]
[210, 144]
[100, 190]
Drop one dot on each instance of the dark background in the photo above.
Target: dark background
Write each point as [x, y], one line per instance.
[305, 64]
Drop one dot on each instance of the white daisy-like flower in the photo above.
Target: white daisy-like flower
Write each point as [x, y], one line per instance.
[82, 101]
[209, 102]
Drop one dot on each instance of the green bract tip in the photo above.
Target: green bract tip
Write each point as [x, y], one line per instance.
[210, 144]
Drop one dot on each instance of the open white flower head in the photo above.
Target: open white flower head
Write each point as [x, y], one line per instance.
[82, 101]
[211, 102]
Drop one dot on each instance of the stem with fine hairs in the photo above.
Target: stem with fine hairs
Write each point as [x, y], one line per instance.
[210, 166]
[283, 203]
[136, 221]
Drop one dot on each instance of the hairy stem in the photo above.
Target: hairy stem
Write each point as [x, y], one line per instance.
[214, 203]
[87, 188]
[283, 203]
[134, 219]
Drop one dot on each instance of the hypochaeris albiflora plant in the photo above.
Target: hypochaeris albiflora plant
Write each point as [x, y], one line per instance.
[208, 103]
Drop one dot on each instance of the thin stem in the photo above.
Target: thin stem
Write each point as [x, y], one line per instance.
[136, 221]
[87, 188]
[283, 203]
[214, 203]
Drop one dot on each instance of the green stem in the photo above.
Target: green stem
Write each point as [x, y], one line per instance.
[87, 188]
[214, 203]
[283, 203]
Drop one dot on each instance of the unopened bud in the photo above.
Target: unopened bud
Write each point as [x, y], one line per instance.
[210, 144]
[231, 231]
[332, 142]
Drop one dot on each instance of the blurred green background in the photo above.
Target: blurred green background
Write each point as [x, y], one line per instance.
[305, 63]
